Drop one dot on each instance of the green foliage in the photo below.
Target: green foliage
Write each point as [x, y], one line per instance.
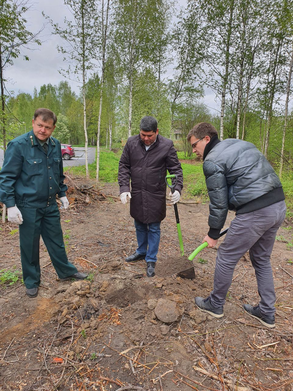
[61, 131]
[14, 35]
[287, 183]
[202, 261]
[90, 277]
[66, 235]
[9, 277]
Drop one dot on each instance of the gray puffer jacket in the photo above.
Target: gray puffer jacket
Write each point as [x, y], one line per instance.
[238, 177]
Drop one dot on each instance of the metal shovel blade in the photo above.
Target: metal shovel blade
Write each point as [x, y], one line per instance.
[190, 273]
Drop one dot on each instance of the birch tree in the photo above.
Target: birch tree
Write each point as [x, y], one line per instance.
[136, 39]
[82, 42]
[275, 51]
[104, 34]
[217, 30]
[288, 93]
[185, 86]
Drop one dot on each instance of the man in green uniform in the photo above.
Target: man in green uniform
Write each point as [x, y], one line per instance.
[31, 176]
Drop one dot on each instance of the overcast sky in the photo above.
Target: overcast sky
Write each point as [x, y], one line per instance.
[45, 61]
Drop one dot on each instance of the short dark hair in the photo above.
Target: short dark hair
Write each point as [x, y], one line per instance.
[149, 124]
[201, 130]
[46, 115]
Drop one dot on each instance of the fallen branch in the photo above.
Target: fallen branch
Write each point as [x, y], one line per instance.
[180, 376]
[216, 377]
[285, 271]
[86, 260]
[265, 346]
[128, 358]
[131, 388]
[3, 358]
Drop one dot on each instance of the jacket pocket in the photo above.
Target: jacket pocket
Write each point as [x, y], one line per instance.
[56, 165]
[34, 166]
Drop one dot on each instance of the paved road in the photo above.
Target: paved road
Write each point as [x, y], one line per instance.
[79, 160]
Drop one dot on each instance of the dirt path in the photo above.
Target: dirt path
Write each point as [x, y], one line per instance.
[112, 332]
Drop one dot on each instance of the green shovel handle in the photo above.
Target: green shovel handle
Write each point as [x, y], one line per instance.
[197, 250]
[203, 245]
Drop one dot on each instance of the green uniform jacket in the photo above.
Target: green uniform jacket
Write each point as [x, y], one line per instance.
[30, 177]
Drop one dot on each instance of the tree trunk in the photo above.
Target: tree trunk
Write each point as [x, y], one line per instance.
[131, 66]
[227, 67]
[272, 92]
[286, 114]
[104, 42]
[3, 119]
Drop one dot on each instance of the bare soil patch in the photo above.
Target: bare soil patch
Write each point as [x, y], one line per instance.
[104, 333]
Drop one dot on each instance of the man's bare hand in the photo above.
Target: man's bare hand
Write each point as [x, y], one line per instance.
[211, 242]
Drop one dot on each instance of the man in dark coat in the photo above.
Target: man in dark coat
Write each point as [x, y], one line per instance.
[145, 160]
[30, 179]
[239, 177]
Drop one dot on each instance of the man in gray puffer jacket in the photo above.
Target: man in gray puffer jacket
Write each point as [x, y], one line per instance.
[239, 177]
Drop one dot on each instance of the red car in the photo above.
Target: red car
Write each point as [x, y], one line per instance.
[67, 151]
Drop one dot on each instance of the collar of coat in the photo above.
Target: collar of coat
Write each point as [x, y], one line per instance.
[214, 141]
[35, 142]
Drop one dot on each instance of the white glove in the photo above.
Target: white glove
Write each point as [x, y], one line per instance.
[123, 197]
[65, 202]
[14, 215]
[175, 197]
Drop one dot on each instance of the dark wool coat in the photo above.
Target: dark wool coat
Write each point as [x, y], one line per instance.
[147, 171]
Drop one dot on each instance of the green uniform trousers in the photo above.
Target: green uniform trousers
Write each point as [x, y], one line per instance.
[43, 222]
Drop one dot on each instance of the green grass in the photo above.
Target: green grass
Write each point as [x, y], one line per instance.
[194, 181]
[108, 172]
[193, 177]
[202, 261]
[183, 156]
[287, 183]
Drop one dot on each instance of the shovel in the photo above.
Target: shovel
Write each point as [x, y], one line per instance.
[172, 187]
[190, 273]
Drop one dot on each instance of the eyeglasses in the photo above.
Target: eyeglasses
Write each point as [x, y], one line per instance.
[195, 144]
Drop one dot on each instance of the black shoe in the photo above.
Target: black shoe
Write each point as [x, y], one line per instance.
[151, 269]
[76, 276]
[32, 292]
[135, 257]
[206, 306]
[266, 320]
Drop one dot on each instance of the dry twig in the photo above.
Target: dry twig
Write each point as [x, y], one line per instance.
[131, 388]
